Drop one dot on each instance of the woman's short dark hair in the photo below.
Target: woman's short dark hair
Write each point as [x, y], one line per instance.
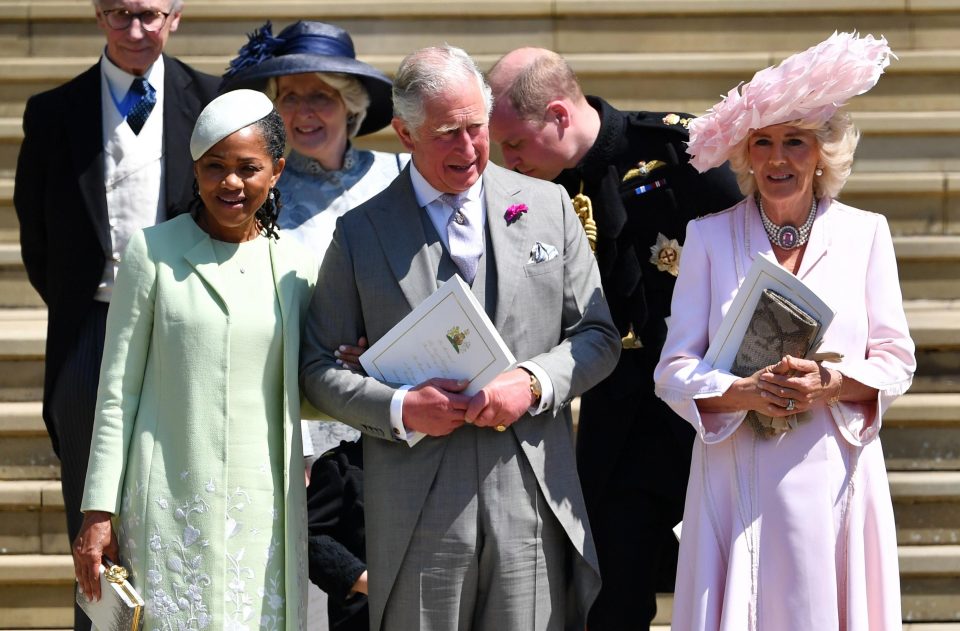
[275, 139]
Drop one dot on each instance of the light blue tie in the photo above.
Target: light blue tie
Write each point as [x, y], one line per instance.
[464, 238]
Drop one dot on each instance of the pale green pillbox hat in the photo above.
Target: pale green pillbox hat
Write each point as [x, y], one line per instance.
[226, 114]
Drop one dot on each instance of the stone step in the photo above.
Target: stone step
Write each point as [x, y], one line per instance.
[929, 268]
[212, 26]
[892, 141]
[935, 327]
[921, 432]
[36, 591]
[926, 505]
[930, 589]
[15, 288]
[688, 81]
[31, 518]
[915, 203]
[25, 451]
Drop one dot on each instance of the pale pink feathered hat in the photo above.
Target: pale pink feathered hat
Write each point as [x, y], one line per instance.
[808, 86]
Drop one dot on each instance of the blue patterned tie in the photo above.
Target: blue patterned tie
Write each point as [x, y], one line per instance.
[464, 240]
[140, 111]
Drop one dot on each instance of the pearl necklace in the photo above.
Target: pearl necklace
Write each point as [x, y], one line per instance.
[787, 237]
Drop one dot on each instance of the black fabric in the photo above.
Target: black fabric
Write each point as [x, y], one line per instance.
[335, 526]
[70, 410]
[633, 453]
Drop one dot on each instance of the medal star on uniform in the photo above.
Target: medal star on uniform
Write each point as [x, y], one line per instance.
[666, 254]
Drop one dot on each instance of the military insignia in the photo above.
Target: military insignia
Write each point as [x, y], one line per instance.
[646, 188]
[630, 340]
[666, 255]
[458, 338]
[674, 119]
[584, 209]
[643, 169]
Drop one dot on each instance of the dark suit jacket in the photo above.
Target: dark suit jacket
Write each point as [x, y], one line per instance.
[60, 198]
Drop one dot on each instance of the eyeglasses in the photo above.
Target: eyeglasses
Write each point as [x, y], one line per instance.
[121, 19]
[291, 102]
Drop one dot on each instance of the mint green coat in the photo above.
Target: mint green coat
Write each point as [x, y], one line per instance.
[158, 456]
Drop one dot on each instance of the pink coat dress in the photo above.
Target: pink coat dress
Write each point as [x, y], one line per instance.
[793, 533]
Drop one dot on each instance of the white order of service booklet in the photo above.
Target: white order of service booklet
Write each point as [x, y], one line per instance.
[763, 274]
[448, 335]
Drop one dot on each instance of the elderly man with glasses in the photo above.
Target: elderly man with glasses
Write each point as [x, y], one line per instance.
[103, 155]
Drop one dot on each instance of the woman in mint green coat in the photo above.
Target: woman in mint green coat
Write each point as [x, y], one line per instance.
[196, 477]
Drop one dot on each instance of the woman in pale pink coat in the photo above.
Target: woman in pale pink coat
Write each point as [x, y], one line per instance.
[792, 531]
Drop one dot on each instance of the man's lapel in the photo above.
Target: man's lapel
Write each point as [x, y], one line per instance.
[399, 229]
[510, 247]
[86, 149]
[180, 109]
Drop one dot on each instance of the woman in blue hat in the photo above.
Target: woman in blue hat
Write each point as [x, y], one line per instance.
[325, 97]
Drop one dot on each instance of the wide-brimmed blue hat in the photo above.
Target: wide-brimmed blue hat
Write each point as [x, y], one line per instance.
[309, 47]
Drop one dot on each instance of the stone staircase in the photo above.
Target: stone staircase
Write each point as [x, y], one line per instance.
[677, 56]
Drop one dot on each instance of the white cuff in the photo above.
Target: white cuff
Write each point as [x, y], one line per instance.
[396, 418]
[546, 387]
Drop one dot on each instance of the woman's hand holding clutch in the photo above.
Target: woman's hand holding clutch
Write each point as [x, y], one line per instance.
[96, 540]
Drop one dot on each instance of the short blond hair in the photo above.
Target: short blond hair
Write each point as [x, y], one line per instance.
[837, 140]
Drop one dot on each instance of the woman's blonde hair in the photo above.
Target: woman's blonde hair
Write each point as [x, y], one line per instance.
[837, 140]
[354, 95]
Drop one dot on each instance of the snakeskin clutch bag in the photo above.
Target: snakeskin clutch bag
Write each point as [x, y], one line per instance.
[778, 328]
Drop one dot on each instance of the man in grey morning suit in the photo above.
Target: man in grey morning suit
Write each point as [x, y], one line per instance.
[481, 524]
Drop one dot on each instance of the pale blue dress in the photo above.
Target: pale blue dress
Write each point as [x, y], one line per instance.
[313, 199]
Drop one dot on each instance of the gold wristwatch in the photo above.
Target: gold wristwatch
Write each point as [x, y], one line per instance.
[535, 388]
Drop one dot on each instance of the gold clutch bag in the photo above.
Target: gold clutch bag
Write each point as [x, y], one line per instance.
[120, 607]
[778, 328]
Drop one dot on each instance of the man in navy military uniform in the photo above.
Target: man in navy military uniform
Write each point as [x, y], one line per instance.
[635, 192]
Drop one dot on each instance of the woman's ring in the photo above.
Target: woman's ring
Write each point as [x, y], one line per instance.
[501, 427]
[790, 405]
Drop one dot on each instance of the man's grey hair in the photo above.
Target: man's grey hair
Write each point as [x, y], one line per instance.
[427, 73]
[175, 5]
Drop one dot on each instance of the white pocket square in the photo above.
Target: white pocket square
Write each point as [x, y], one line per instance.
[542, 252]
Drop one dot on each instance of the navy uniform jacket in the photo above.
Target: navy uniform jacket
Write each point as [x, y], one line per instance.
[659, 199]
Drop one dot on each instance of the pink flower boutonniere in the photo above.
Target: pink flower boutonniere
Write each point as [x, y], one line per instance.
[513, 212]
